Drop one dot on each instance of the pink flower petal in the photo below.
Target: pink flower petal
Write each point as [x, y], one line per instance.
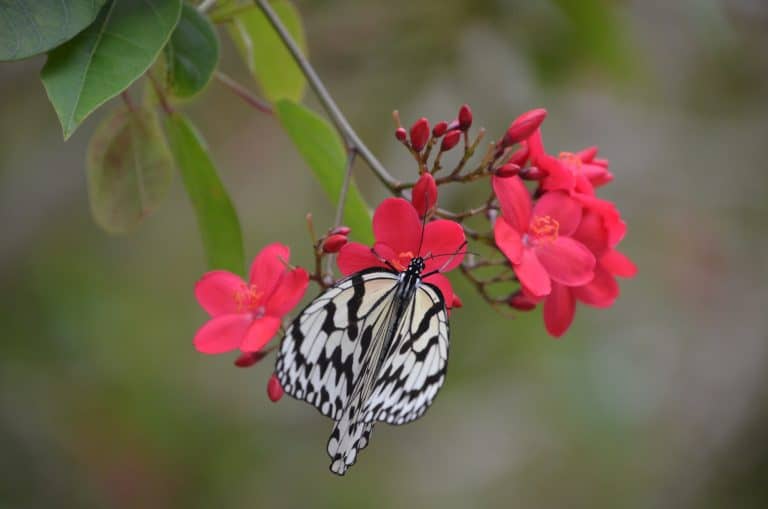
[355, 257]
[260, 332]
[601, 292]
[592, 232]
[559, 308]
[396, 223]
[618, 264]
[268, 267]
[444, 285]
[222, 334]
[532, 274]
[443, 238]
[612, 221]
[567, 261]
[288, 293]
[508, 240]
[560, 207]
[515, 201]
[216, 290]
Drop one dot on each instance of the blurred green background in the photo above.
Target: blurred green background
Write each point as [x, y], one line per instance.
[660, 402]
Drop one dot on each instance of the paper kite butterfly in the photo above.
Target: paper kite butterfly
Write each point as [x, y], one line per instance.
[372, 348]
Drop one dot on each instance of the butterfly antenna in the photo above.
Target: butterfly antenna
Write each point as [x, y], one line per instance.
[448, 262]
[423, 224]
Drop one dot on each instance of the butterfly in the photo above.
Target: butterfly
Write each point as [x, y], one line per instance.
[371, 348]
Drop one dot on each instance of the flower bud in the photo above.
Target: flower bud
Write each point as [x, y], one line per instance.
[465, 117]
[457, 302]
[401, 134]
[440, 129]
[524, 126]
[519, 156]
[587, 154]
[419, 134]
[452, 125]
[450, 140]
[274, 389]
[508, 170]
[424, 195]
[521, 302]
[247, 359]
[341, 230]
[532, 173]
[333, 243]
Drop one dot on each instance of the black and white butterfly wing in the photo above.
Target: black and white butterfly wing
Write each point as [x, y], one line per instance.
[415, 367]
[321, 355]
[332, 357]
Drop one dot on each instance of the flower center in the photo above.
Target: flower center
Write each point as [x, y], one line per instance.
[402, 260]
[543, 229]
[571, 161]
[248, 298]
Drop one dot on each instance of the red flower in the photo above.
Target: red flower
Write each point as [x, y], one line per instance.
[579, 172]
[397, 229]
[537, 239]
[247, 315]
[601, 292]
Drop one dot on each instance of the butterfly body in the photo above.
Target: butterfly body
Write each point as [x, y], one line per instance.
[373, 347]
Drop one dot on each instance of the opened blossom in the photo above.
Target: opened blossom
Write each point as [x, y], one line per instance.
[578, 172]
[398, 233]
[537, 240]
[247, 315]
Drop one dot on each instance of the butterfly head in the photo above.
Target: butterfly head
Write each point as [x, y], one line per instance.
[416, 266]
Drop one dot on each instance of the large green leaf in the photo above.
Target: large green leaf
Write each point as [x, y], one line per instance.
[325, 155]
[28, 28]
[270, 63]
[106, 58]
[192, 53]
[129, 169]
[216, 216]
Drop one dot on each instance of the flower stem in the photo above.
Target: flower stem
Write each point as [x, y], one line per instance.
[337, 117]
[243, 93]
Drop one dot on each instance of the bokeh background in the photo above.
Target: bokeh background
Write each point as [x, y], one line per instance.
[660, 402]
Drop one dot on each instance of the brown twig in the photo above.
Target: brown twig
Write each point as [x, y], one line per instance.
[243, 93]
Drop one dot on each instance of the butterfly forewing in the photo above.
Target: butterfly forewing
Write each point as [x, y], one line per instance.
[415, 367]
[320, 357]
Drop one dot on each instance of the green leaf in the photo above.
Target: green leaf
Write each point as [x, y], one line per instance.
[192, 53]
[216, 216]
[129, 169]
[106, 58]
[325, 155]
[269, 61]
[29, 28]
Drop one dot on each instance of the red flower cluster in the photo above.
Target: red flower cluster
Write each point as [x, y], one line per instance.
[247, 315]
[398, 232]
[562, 245]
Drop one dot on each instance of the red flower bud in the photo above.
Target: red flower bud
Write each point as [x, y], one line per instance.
[424, 194]
[533, 173]
[341, 230]
[524, 126]
[457, 302]
[519, 301]
[450, 140]
[274, 389]
[333, 243]
[519, 156]
[440, 129]
[247, 359]
[401, 134]
[452, 125]
[465, 117]
[587, 154]
[508, 170]
[419, 134]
